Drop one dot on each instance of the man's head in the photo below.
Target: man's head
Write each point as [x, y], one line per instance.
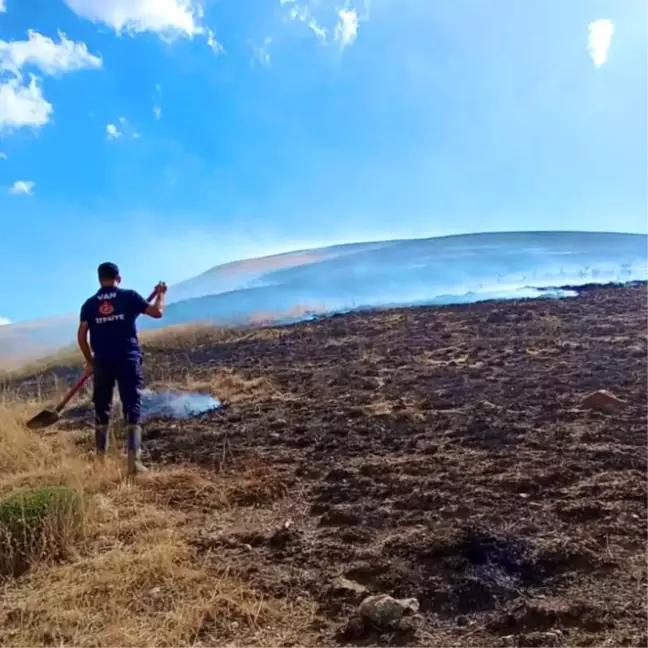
[108, 274]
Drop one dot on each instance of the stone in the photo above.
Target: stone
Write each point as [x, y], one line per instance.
[346, 585]
[540, 639]
[384, 611]
[410, 623]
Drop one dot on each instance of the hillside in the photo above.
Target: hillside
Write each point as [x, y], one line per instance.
[443, 270]
[442, 454]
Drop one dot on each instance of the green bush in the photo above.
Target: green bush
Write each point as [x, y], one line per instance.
[38, 524]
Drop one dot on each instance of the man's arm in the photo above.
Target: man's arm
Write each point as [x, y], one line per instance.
[142, 307]
[156, 309]
[82, 340]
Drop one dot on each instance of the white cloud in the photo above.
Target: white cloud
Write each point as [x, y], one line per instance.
[299, 12]
[112, 132]
[161, 16]
[261, 52]
[22, 187]
[3, 320]
[344, 22]
[317, 29]
[23, 105]
[124, 130]
[3, 156]
[599, 40]
[42, 52]
[3, 7]
[346, 30]
[213, 43]
[157, 112]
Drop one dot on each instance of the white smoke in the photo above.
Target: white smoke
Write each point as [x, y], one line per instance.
[177, 404]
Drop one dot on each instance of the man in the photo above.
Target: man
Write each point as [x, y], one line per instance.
[114, 356]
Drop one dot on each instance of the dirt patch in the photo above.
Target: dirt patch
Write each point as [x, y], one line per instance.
[468, 570]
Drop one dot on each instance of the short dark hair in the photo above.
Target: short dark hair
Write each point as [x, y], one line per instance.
[108, 271]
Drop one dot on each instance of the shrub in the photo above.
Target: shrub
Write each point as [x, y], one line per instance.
[38, 524]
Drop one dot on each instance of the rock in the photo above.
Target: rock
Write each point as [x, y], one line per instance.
[488, 405]
[540, 639]
[283, 535]
[410, 623]
[385, 611]
[347, 586]
[354, 629]
[382, 613]
[602, 401]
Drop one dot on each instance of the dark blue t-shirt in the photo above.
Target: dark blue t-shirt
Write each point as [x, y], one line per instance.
[111, 315]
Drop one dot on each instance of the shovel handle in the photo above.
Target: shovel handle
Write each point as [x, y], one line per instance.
[82, 381]
[68, 397]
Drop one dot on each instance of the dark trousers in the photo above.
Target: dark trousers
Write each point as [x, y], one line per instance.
[127, 373]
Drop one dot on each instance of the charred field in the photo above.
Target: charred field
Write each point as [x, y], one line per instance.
[438, 453]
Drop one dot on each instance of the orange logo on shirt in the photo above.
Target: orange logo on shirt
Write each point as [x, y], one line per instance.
[106, 308]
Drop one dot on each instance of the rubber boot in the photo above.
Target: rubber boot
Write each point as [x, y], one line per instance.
[134, 443]
[101, 442]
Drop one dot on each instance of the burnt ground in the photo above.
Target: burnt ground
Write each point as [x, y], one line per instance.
[436, 453]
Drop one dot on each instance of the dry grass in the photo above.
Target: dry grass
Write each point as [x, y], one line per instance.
[177, 337]
[145, 589]
[229, 385]
[185, 336]
[223, 383]
[40, 381]
[28, 459]
[132, 576]
[198, 336]
[29, 390]
[184, 489]
[68, 356]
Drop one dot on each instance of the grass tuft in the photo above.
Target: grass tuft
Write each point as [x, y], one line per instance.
[37, 525]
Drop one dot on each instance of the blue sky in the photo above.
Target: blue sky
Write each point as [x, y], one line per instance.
[171, 136]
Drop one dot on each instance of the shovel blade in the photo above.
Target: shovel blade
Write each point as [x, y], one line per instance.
[42, 420]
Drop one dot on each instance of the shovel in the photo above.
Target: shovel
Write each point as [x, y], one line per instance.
[49, 417]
